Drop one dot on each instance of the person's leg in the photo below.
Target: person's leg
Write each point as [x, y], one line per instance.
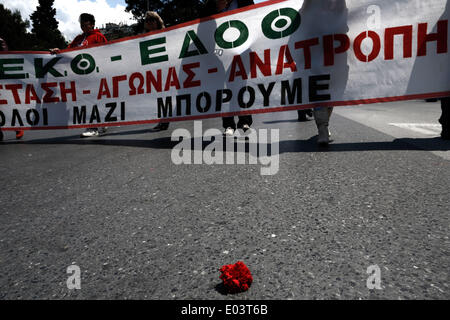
[245, 122]
[302, 115]
[444, 120]
[229, 126]
[228, 122]
[1, 135]
[322, 117]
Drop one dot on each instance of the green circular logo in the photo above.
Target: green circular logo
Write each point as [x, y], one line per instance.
[243, 34]
[280, 23]
[83, 64]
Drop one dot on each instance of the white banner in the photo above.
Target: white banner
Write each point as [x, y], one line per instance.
[273, 56]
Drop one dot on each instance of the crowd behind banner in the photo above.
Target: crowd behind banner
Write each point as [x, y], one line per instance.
[223, 67]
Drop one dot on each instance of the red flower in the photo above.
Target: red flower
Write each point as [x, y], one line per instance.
[236, 277]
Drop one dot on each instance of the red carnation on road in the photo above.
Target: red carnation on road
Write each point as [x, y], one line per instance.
[236, 277]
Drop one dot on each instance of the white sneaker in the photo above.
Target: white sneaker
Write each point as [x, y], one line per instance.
[245, 127]
[229, 132]
[90, 133]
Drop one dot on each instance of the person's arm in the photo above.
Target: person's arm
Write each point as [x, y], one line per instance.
[102, 38]
[71, 45]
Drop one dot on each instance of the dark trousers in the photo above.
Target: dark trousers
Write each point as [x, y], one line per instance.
[444, 120]
[445, 116]
[228, 122]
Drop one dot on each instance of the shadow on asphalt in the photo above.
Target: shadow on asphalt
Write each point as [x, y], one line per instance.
[286, 146]
[285, 121]
[426, 144]
[220, 288]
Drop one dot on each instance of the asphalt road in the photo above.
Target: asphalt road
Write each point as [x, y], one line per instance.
[140, 227]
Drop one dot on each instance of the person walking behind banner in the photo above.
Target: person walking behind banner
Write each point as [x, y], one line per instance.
[89, 36]
[19, 133]
[218, 6]
[153, 22]
[444, 120]
[335, 13]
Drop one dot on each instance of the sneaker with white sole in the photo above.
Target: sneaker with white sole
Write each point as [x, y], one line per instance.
[245, 127]
[90, 133]
[229, 132]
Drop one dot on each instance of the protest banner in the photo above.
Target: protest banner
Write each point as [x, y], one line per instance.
[273, 56]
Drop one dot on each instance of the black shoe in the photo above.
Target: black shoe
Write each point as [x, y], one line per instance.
[302, 115]
[245, 127]
[161, 126]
